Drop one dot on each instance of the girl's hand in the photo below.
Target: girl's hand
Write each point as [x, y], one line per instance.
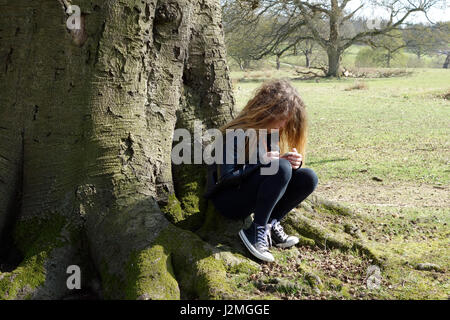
[272, 155]
[294, 158]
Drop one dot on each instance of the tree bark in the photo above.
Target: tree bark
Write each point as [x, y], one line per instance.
[333, 48]
[308, 61]
[334, 62]
[447, 61]
[86, 125]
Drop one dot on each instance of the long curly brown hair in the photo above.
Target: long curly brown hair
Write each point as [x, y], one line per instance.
[273, 101]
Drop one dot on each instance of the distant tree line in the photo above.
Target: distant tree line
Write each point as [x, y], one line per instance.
[323, 30]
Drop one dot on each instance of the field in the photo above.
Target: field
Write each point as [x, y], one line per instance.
[381, 149]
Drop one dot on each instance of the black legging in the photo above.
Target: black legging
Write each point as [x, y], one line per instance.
[268, 196]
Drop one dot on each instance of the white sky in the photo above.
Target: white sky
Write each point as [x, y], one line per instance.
[435, 14]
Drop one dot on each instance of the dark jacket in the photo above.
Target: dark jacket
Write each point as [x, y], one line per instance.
[227, 175]
[235, 169]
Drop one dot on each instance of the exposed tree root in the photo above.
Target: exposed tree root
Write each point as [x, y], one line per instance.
[217, 229]
[177, 265]
[298, 224]
[314, 233]
[48, 246]
[187, 209]
[174, 263]
[140, 254]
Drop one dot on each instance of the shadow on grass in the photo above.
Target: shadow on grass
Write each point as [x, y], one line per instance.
[327, 160]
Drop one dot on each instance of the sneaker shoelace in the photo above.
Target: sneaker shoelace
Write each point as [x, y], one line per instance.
[279, 231]
[263, 236]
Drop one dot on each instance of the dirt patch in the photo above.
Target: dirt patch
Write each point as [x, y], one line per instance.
[398, 194]
[445, 95]
[338, 275]
[359, 85]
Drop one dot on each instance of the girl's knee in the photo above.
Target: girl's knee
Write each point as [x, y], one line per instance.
[308, 177]
[285, 168]
[281, 170]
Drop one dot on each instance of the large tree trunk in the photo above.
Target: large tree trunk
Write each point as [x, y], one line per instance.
[334, 62]
[333, 49]
[278, 62]
[308, 60]
[86, 125]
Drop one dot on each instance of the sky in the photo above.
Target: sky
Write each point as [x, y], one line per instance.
[435, 14]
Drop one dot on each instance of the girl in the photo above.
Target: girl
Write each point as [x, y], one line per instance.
[275, 106]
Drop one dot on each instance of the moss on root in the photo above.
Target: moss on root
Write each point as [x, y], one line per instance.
[33, 235]
[303, 241]
[199, 272]
[177, 265]
[321, 236]
[36, 239]
[20, 283]
[186, 208]
[334, 235]
[111, 283]
[172, 210]
[243, 267]
[150, 275]
[323, 205]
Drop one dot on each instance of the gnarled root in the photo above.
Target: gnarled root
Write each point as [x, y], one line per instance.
[141, 255]
[49, 246]
[312, 222]
[177, 265]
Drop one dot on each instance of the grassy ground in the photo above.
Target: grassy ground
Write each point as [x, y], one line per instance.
[382, 151]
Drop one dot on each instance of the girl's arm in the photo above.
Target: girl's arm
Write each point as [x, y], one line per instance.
[229, 170]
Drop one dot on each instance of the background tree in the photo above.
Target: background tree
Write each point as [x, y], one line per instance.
[241, 39]
[241, 49]
[307, 48]
[261, 35]
[336, 14]
[391, 43]
[442, 41]
[370, 57]
[419, 39]
[447, 58]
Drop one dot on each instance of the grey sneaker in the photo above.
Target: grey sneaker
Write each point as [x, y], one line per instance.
[257, 240]
[280, 238]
